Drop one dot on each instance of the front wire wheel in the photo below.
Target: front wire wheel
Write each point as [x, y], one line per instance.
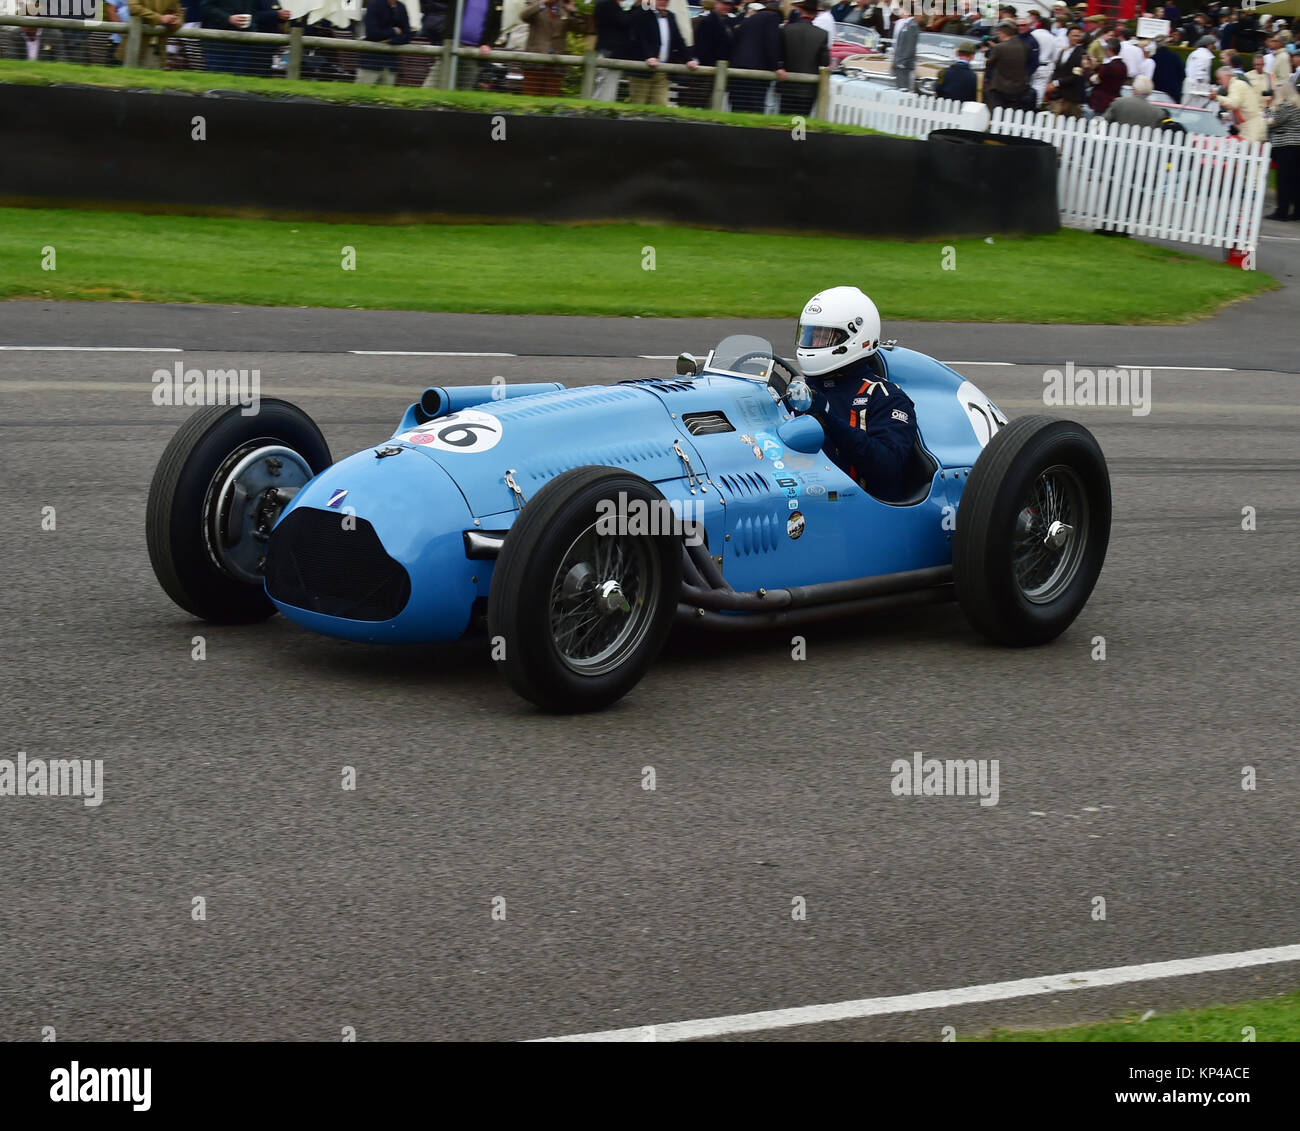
[579, 612]
[602, 600]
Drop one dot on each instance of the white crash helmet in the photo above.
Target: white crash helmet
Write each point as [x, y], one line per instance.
[836, 328]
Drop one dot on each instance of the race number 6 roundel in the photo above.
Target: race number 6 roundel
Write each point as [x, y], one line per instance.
[465, 431]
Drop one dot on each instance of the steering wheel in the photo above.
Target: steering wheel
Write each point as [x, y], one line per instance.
[775, 380]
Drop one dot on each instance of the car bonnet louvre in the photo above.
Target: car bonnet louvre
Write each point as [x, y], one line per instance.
[614, 455]
[661, 384]
[561, 400]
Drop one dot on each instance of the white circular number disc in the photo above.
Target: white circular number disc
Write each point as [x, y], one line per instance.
[465, 431]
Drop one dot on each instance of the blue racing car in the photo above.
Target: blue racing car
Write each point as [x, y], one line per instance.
[580, 523]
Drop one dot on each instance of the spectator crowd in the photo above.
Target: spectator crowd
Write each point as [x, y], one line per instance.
[1070, 63]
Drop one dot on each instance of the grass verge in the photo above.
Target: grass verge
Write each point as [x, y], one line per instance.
[1274, 1019]
[615, 269]
[403, 97]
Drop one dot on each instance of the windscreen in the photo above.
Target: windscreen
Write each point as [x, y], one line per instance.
[742, 355]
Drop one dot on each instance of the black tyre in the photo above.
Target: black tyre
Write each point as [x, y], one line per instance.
[1032, 530]
[215, 494]
[583, 612]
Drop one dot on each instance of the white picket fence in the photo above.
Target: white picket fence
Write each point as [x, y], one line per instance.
[892, 111]
[1188, 188]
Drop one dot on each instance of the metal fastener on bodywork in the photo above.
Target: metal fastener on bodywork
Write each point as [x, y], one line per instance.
[691, 478]
[510, 482]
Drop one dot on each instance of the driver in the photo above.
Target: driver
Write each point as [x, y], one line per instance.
[870, 423]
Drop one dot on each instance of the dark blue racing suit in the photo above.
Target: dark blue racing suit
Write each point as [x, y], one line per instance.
[870, 426]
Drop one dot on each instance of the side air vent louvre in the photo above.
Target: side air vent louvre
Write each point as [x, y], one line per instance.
[658, 383]
[706, 423]
[744, 484]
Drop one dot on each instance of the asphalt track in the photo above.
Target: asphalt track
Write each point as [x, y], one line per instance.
[625, 907]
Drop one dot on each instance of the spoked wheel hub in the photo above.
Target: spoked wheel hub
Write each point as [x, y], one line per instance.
[1050, 535]
[602, 600]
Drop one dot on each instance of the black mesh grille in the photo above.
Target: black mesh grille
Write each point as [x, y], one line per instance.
[316, 564]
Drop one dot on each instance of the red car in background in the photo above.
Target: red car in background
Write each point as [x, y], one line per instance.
[853, 39]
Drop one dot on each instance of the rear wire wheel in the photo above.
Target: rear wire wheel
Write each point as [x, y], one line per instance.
[1032, 530]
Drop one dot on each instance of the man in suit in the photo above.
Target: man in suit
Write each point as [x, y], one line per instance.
[1228, 30]
[1005, 74]
[1069, 85]
[1278, 61]
[712, 31]
[805, 48]
[906, 31]
[613, 41]
[386, 22]
[1240, 96]
[878, 17]
[1259, 77]
[715, 34]
[958, 81]
[165, 14]
[549, 23]
[758, 46]
[658, 40]
[1169, 70]
[243, 15]
[1134, 109]
[851, 11]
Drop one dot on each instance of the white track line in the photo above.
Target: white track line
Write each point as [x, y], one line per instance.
[425, 353]
[92, 349]
[977, 363]
[941, 999]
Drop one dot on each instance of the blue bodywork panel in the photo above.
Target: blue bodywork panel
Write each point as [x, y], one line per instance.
[776, 517]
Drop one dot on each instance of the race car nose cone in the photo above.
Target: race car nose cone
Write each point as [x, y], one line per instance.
[610, 599]
[1058, 534]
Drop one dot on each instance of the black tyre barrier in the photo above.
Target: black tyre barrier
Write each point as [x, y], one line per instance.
[295, 158]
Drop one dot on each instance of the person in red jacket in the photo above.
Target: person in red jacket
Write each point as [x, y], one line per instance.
[1109, 79]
